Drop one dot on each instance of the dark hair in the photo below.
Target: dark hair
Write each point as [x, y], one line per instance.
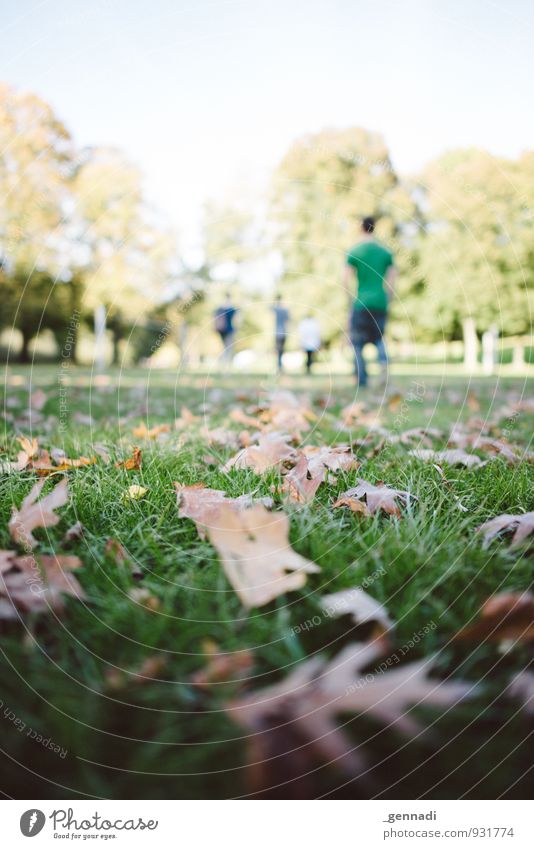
[368, 224]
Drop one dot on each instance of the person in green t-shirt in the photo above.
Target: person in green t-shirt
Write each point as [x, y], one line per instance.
[372, 265]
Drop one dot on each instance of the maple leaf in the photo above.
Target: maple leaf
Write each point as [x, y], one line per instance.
[359, 604]
[354, 504]
[377, 497]
[37, 514]
[142, 432]
[522, 525]
[135, 493]
[312, 696]
[186, 419]
[452, 456]
[35, 585]
[202, 504]
[256, 556]
[131, 463]
[505, 616]
[271, 450]
[223, 668]
[300, 483]
[338, 459]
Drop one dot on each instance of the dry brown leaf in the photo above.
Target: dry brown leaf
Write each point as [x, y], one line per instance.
[142, 432]
[301, 484]
[338, 458]
[74, 533]
[359, 604]
[238, 415]
[6, 560]
[354, 504]
[37, 514]
[186, 419]
[522, 525]
[38, 399]
[102, 453]
[310, 698]
[452, 456]
[44, 467]
[472, 402]
[34, 585]
[506, 616]
[254, 549]
[420, 434]
[133, 462]
[224, 668]
[271, 450]
[394, 402]
[202, 504]
[376, 496]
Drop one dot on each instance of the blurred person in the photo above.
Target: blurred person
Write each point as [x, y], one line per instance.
[281, 320]
[224, 319]
[310, 339]
[372, 265]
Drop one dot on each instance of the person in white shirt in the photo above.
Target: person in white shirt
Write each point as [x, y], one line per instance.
[310, 339]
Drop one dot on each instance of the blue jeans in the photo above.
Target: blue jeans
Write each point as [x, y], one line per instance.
[367, 327]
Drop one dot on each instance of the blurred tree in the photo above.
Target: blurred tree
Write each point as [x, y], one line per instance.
[324, 186]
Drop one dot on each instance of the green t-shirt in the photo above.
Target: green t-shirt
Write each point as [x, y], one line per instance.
[370, 262]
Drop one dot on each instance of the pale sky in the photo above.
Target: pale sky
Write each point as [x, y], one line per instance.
[207, 95]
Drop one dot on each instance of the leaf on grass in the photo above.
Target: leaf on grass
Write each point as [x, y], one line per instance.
[300, 483]
[135, 492]
[74, 533]
[420, 434]
[376, 496]
[131, 463]
[186, 419]
[38, 399]
[353, 504]
[338, 459]
[452, 456]
[271, 450]
[6, 560]
[202, 504]
[37, 514]
[224, 668]
[102, 453]
[34, 585]
[142, 432]
[238, 415]
[64, 464]
[309, 700]
[506, 616]
[359, 604]
[256, 556]
[522, 526]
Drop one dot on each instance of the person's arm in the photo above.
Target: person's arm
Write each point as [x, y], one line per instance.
[391, 279]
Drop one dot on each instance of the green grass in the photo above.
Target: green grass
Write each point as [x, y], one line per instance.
[168, 739]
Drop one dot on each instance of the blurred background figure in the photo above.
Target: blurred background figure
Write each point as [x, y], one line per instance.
[224, 324]
[281, 320]
[372, 264]
[310, 339]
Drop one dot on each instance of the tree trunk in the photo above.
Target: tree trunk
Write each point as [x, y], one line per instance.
[470, 344]
[24, 356]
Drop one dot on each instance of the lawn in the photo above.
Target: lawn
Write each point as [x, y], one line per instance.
[130, 683]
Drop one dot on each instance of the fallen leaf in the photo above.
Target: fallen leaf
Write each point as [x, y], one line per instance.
[135, 492]
[452, 456]
[359, 604]
[133, 462]
[142, 432]
[36, 514]
[102, 453]
[394, 402]
[300, 483]
[271, 450]
[353, 504]
[224, 668]
[472, 402]
[37, 399]
[74, 533]
[338, 458]
[256, 556]
[186, 419]
[506, 616]
[35, 585]
[202, 504]
[522, 525]
[377, 497]
[310, 698]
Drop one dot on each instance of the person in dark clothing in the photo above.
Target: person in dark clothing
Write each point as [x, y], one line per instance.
[224, 317]
[372, 266]
[281, 320]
